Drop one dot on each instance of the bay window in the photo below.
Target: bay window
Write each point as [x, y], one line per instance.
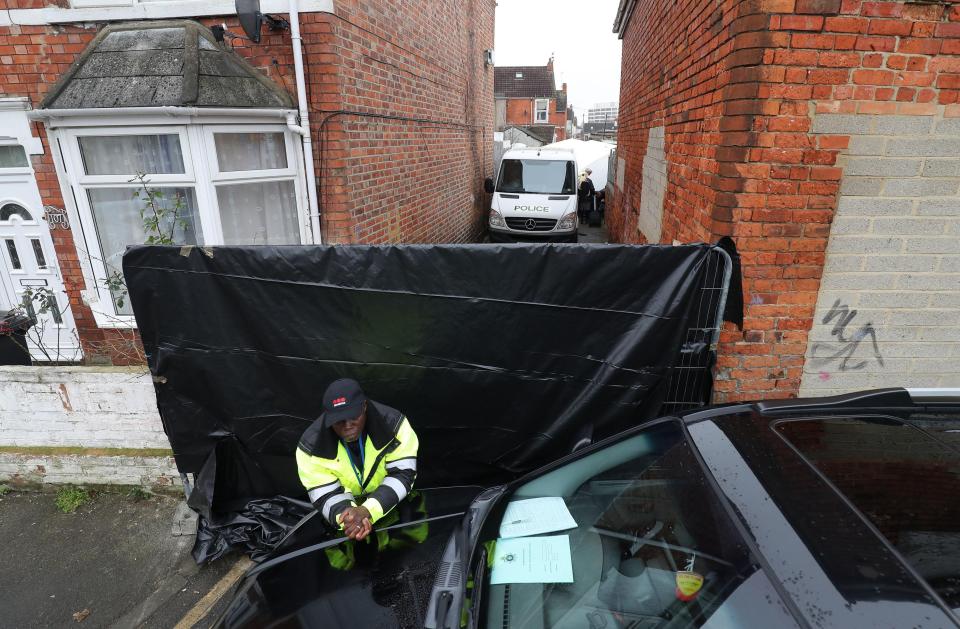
[212, 184]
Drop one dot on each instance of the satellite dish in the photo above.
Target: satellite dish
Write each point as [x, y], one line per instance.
[248, 11]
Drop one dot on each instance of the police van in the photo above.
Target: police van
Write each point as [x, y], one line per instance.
[535, 193]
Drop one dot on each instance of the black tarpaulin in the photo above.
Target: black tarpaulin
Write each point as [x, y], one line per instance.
[501, 356]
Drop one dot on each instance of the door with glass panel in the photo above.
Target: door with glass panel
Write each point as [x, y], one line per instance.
[29, 275]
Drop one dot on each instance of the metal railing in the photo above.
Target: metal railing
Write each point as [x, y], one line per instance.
[690, 383]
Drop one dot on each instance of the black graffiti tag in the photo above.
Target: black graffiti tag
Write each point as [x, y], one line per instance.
[847, 345]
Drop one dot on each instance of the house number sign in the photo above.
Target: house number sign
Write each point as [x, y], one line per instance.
[56, 217]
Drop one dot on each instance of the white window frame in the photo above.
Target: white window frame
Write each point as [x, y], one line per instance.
[201, 174]
[16, 170]
[86, 4]
[546, 110]
[252, 176]
[123, 10]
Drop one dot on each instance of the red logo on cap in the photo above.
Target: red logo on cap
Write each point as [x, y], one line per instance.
[340, 401]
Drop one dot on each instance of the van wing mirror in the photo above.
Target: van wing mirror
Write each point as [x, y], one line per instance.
[488, 185]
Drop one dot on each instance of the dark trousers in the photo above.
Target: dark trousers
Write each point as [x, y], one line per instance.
[584, 207]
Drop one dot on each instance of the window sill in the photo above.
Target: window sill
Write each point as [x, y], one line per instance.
[114, 322]
[108, 11]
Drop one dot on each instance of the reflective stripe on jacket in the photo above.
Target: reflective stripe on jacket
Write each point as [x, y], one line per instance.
[390, 465]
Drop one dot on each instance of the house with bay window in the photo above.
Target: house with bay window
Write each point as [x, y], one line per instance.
[527, 99]
[111, 117]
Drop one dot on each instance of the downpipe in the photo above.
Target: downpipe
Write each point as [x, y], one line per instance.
[303, 129]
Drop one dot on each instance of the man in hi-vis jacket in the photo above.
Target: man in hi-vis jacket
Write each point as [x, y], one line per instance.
[358, 460]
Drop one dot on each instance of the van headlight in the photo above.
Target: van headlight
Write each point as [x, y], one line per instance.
[569, 221]
[496, 220]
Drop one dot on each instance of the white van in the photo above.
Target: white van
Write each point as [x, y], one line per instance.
[535, 194]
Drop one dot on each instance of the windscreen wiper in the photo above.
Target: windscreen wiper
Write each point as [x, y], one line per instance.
[450, 586]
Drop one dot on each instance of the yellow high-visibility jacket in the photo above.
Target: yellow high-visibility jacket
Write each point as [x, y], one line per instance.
[389, 465]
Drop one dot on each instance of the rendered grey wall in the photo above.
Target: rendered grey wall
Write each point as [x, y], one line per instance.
[888, 312]
[650, 219]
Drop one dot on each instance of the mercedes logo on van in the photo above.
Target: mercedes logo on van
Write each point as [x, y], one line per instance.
[530, 224]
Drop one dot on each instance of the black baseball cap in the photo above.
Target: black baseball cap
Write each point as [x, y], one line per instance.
[342, 400]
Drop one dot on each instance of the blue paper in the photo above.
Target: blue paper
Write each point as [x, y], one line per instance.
[534, 516]
[532, 560]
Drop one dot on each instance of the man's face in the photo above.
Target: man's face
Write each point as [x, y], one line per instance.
[350, 429]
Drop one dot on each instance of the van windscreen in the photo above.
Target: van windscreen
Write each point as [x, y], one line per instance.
[537, 176]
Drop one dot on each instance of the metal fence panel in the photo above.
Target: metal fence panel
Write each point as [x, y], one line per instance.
[691, 382]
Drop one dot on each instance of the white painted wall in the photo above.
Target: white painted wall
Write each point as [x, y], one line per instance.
[90, 407]
[81, 407]
[892, 271]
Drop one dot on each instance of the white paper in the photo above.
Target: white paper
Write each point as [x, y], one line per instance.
[534, 516]
[532, 560]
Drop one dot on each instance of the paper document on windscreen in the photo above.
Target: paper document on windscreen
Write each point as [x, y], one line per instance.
[535, 516]
[532, 560]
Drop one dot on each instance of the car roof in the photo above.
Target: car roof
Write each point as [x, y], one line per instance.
[538, 152]
[830, 559]
[861, 401]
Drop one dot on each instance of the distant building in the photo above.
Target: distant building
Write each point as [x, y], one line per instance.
[527, 97]
[532, 136]
[599, 131]
[603, 112]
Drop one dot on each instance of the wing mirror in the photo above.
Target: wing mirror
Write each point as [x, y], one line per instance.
[488, 185]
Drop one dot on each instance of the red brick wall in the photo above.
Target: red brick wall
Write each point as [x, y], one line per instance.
[415, 178]
[559, 120]
[519, 111]
[419, 179]
[734, 82]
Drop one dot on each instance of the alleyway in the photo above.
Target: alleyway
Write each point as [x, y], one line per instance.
[594, 235]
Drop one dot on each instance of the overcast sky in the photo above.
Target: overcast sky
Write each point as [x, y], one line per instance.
[578, 32]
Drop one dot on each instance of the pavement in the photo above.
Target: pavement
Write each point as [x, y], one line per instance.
[118, 561]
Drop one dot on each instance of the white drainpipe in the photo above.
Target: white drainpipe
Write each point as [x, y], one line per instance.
[304, 127]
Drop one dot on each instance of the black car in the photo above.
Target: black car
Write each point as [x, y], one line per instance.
[830, 512]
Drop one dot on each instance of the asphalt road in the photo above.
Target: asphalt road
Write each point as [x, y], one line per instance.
[593, 234]
[115, 557]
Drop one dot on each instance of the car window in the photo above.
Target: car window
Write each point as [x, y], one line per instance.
[904, 478]
[652, 546]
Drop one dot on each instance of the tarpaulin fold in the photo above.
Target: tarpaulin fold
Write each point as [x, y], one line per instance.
[502, 357]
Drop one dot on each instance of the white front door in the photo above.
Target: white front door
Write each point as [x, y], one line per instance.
[29, 275]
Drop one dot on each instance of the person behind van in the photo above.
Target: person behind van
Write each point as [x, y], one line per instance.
[585, 195]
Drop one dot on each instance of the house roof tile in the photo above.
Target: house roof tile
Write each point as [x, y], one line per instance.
[168, 63]
[542, 132]
[533, 82]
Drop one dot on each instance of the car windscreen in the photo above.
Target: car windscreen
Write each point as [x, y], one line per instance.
[631, 535]
[904, 477]
[537, 176]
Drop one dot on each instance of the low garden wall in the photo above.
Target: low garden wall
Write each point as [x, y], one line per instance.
[82, 425]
